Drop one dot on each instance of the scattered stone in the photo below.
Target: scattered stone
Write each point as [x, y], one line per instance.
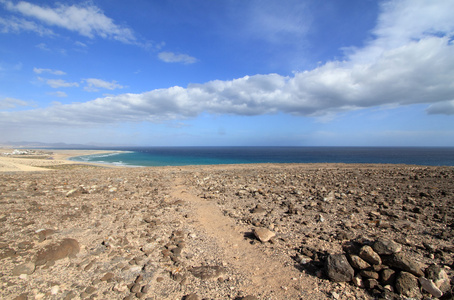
[208, 272]
[358, 281]
[191, 296]
[369, 255]
[76, 192]
[430, 287]
[439, 277]
[371, 283]
[263, 234]
[53, 252]
[258, 210]
[23, 296]
[25, 268]
[407, 285]
[248, 297]
[388, 276]
[358, 263]
[386, 247]
[108, 276]
[338, 268]
[43, 234]
[399, 261]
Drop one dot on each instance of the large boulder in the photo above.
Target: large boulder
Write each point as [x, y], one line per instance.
[338, 268]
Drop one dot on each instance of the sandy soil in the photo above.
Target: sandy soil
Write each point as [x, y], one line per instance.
[42, 160]
[81, 232]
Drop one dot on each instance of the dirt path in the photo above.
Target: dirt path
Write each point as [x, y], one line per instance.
[266, 276]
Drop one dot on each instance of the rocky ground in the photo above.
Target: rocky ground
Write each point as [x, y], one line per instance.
[227, 232]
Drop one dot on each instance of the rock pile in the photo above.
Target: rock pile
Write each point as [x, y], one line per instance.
[381, 267]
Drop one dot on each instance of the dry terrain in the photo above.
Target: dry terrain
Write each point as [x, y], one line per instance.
[217, 232]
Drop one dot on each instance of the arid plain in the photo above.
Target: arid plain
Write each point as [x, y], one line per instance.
[264, 231]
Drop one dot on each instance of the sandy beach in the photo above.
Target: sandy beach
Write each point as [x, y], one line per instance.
[42, 160]
[266, 231]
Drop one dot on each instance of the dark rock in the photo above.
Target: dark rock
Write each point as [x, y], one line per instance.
[248, 297]
[191, 296]
[53, 252]
[108, 276]
[399, 261]
[388, 276]
[386, 247]
[407, 285]
[371, 283]
[369, 274]
[439, 277]
[23, 296]
[338, 268]
[207, 272]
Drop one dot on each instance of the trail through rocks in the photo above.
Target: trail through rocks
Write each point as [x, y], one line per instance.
[263, 274]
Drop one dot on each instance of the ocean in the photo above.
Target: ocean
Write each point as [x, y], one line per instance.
[181, 156]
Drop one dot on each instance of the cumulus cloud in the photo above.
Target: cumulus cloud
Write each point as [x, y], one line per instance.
[85, 19]
[8, 103]
[171, 57]
[94, 84]
[397, 68]
[50, 71]
[58, 83]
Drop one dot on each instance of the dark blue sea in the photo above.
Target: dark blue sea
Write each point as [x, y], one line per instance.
[181, 156]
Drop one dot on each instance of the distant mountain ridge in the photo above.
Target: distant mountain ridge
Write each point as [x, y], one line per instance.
[25, 144]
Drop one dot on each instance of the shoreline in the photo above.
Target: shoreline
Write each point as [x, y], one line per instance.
[36, 160]
[32, 160]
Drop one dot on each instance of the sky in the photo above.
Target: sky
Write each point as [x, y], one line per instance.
[227, 72]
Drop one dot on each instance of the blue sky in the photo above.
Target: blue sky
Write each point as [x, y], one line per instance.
[228, 72]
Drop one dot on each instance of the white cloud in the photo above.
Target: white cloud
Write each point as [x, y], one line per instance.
[275, 21]
[171, 57]
[16, 25]
[42, 46]
[86, 19]
[59, 94]
[387, 71]
[58, 83]
[93, 84]
[8, 103]
[54, 72]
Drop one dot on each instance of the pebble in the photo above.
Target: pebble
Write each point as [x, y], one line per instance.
[25, 268]
[263, 234]
[208, 272]
[54, 290]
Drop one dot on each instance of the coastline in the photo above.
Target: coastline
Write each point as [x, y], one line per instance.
[45, 159]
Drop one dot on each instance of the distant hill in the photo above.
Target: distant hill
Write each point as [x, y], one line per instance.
[47, 145]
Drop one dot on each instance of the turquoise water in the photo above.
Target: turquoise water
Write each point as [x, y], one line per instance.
[180, 156]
